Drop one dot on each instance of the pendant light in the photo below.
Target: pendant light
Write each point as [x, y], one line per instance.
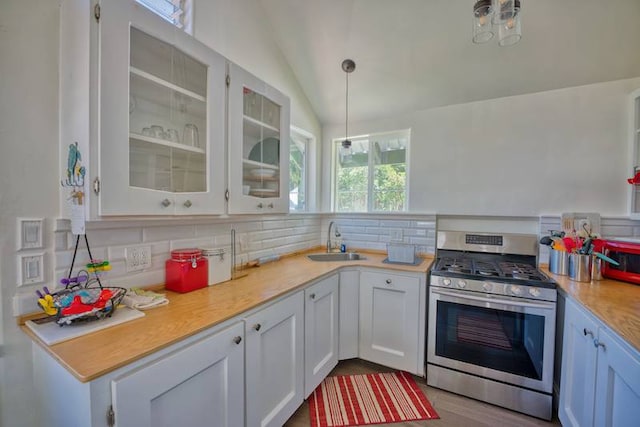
[348, 66]
[507, 20]
[500, 17]
[482, 28]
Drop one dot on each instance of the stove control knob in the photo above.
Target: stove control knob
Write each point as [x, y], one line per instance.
[446, 282]
[462, 284]
[534, 292]
[516, 290]
[487, 287]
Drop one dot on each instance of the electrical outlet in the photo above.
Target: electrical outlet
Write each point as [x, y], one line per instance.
[137, 258]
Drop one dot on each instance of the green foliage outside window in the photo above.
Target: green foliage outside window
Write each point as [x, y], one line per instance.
[385, 156]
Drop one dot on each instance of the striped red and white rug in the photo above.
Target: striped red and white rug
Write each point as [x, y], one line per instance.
[357, 400]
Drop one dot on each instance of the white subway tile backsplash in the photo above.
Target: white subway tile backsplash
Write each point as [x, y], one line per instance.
[423, 224]
[64, 258]
[395, 223]
[154, 234]
[245, 227]
[616, 230]
[274, 224]
[202, 242]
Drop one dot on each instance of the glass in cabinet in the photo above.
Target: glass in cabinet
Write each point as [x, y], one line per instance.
[162, 117]
[259, 162]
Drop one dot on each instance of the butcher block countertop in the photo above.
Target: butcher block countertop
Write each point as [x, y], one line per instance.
[617, 304]
[87, 357]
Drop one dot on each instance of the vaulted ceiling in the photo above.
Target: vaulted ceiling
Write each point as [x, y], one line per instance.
[417, 54]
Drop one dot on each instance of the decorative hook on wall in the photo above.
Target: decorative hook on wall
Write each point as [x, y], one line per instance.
[75, 170]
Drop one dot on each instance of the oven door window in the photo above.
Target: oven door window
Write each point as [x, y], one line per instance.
[502, 340]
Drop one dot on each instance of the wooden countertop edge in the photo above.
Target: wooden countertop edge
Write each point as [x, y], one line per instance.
[614, 303]
[197, 311]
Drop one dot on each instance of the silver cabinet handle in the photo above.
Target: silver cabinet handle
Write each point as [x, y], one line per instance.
[260, 205]
[187, 204]
[388, 281]
[257, 326]
[597, 343]
[166, 203]
[586, 332]
[312, 296]
[237, 340]
[270, 205]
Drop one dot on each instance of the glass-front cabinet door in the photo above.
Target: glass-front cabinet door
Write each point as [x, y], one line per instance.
[258, 145]
[162, 117]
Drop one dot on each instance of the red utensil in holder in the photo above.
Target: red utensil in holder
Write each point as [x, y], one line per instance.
[186, 271]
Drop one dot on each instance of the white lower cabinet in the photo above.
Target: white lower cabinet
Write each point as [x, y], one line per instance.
[274, 362]
[320, 331]
[191, 387]
[253, 370]
[390, 325]
[600, 381]
[197, 383]
[349, 314]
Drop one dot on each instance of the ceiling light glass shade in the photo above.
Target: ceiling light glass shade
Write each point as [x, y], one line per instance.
[345, 151]
[506, 18]
[482, 28]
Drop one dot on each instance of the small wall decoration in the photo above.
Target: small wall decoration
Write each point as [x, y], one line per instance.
[74, 180]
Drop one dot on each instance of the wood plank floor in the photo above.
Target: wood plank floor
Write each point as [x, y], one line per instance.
[454, 410]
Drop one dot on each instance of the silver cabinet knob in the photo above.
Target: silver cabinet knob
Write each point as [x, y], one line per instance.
[312, 296]
[237, 340]
[260, 205]
[257, 326]
[388, 281]
[166, 203]
[270, 205]
[586, 332]
[187, 204]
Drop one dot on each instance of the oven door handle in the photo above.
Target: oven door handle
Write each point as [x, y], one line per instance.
[491, 299]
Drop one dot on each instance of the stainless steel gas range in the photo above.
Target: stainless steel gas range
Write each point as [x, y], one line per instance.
[491, 322]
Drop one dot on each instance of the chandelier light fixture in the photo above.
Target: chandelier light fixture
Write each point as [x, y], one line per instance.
[348, 66]
[497, 16]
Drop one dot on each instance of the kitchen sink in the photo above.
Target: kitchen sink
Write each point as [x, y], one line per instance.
[349, 256]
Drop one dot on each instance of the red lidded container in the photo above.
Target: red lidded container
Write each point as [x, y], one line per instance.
[186, 271]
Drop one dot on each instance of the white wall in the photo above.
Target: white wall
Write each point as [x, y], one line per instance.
[543, 153]
[28, 171]
[29, 140]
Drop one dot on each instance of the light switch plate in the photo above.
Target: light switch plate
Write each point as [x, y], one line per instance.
[30, 269]
[30, 233]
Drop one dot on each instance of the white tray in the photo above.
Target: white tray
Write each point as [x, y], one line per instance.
[52, 333]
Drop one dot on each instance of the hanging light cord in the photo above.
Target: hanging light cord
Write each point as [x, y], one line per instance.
[346, 121]
[347, 66]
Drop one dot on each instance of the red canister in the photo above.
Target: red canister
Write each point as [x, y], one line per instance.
[186, 270]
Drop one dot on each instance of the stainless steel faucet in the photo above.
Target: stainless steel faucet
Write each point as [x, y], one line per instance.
[337, 234]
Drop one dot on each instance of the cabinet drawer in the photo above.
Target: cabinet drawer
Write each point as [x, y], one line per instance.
[389, 280]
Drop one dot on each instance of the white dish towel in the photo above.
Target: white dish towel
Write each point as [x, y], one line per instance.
[141, 299]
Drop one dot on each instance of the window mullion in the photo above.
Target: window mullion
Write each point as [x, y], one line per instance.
[370, 177]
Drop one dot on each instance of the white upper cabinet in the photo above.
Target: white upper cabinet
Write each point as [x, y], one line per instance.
[155, 125]
[258, 145]
[162, 109]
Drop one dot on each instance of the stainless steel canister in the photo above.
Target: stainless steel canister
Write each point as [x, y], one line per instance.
[580, 267]
[596, 268]
[559, 262]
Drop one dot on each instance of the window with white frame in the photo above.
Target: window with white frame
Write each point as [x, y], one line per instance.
[372, 175]
[299, 149]
[177, 12]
